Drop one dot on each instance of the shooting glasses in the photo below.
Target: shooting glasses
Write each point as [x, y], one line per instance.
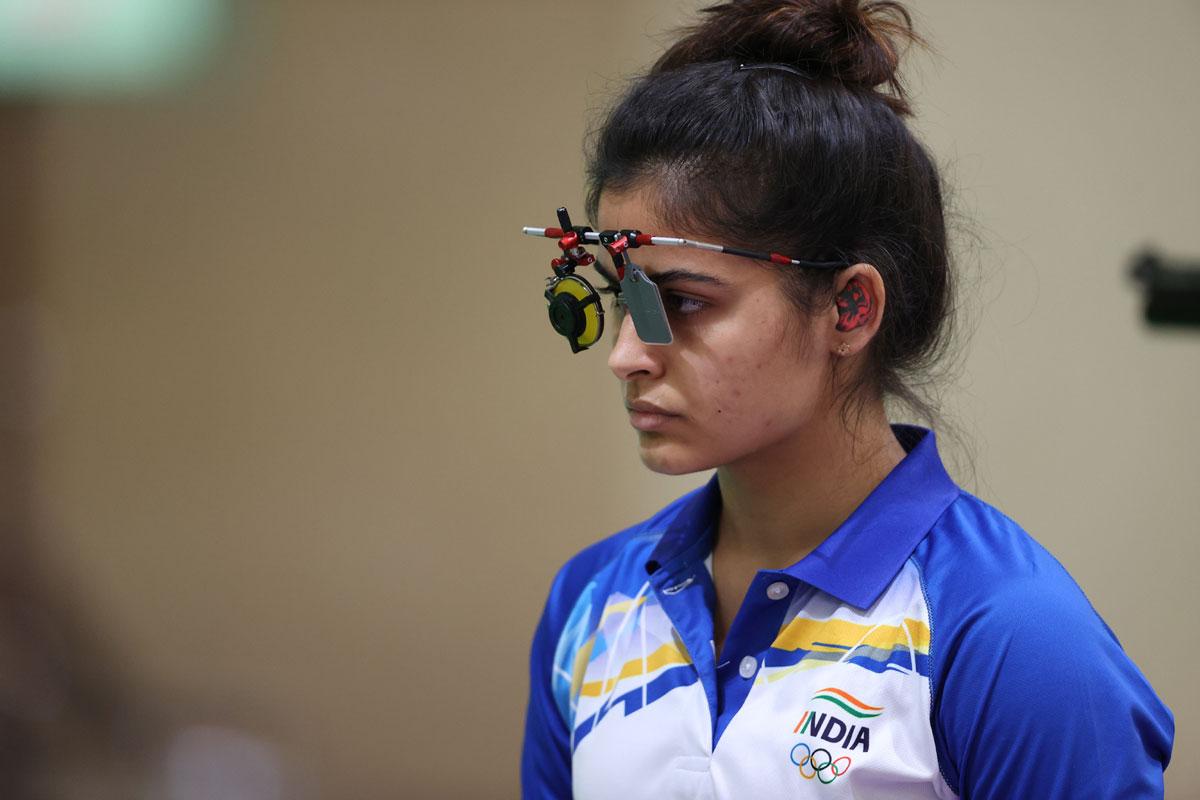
[574, 305]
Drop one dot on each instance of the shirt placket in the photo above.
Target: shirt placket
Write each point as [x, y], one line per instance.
[754, 629]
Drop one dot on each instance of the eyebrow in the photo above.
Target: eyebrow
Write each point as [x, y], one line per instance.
[672, 275]
[605, 268]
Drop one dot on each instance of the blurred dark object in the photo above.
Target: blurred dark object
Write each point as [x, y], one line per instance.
[76, 723]
[1172, 289]
[67, 717]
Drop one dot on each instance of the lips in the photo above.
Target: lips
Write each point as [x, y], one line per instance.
[644, 407]
[646, 416]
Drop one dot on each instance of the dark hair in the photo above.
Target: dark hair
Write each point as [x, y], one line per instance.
[811, 159]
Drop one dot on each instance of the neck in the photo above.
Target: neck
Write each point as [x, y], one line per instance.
[779, 505]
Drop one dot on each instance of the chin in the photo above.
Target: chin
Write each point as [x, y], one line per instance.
[666, 459]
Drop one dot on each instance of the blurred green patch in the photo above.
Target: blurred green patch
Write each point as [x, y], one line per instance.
[83, 47]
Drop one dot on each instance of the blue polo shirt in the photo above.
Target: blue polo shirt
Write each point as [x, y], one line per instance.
[928, 648]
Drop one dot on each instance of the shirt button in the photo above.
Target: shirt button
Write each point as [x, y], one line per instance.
[748, 667]
[778, 590]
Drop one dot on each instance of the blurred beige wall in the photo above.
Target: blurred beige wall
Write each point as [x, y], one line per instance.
[308, 454]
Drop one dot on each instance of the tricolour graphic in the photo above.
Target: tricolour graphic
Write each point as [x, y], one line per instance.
[848, 703]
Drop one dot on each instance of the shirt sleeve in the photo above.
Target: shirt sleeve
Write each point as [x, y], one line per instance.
[546, 754]
[1034, 697]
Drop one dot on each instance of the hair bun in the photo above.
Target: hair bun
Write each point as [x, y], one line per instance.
[853, 42]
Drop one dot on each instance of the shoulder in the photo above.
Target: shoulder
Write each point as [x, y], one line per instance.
[988, 582]
[604, 576]
[1020, 658]
[612, 565]
[975, 554]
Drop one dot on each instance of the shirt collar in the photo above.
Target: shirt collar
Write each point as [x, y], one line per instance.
[859, 559]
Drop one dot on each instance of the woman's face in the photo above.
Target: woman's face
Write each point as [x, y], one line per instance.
[746, 375]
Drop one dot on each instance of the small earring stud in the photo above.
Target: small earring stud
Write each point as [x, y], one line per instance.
[843, 349]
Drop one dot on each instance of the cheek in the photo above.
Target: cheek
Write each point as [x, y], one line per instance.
[742, 392]
[758, 387]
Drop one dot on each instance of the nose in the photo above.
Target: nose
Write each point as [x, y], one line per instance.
[631, 358]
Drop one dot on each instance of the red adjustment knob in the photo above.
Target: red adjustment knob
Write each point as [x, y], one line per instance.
[586, 258]
[619, 245]
[569, 240]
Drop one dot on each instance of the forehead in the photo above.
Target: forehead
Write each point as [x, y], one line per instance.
[631, 209]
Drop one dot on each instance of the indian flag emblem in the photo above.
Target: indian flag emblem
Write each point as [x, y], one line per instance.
[848, 703]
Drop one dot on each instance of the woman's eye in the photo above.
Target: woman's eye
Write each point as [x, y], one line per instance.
[677, 304]
[682, 304]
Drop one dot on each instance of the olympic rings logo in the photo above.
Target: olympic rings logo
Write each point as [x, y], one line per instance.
[820, 764]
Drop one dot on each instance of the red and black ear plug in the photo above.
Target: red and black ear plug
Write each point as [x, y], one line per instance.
[853, 305]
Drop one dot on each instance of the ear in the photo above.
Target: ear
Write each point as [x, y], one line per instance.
[859, 300]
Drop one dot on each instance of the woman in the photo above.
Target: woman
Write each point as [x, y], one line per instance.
[830, 616]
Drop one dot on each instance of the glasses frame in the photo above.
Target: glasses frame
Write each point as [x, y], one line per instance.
[633, 289]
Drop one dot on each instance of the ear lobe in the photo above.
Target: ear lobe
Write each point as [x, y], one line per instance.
[854, 305]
